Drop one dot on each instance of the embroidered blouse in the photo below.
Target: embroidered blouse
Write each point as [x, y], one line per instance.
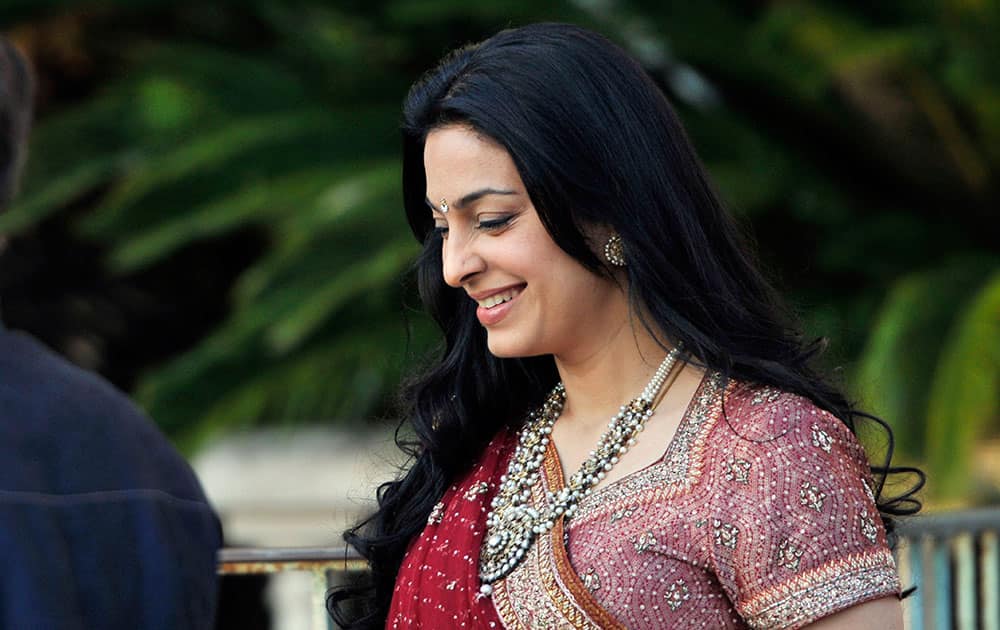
[759, 515]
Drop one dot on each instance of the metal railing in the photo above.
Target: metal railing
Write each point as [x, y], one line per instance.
[325, 564]
[952, 558]
[954, 561]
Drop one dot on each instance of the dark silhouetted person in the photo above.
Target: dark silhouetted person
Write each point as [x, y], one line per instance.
[102, 523]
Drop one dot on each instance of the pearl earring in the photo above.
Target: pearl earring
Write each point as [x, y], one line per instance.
[614, 250]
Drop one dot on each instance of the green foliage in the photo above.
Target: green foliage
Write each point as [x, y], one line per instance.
[869, 136]
[904, 349]
[965, 395]
[861, 142]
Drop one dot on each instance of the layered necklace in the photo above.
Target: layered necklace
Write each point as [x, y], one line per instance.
[513, 524]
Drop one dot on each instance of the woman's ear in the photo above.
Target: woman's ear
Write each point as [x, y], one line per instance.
[605, 243]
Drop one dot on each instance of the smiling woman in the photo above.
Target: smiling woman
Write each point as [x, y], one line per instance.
[529, 292]
[624, 428]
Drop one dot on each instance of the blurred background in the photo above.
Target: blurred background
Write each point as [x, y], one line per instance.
[210, 216]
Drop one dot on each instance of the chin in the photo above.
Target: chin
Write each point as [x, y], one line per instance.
[503, 346]
[502, 351]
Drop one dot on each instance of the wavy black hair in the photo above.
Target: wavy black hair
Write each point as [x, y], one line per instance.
[596, 143]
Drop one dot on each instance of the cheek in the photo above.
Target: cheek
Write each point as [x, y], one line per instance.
[571, 296]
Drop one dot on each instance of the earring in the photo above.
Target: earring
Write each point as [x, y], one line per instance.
[614, 250]
[443, 206]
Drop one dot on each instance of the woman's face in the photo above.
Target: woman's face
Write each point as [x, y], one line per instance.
[533, 297]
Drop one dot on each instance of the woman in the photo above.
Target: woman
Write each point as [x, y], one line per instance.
[623, 428]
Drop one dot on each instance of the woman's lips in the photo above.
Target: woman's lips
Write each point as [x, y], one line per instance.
[495, 314]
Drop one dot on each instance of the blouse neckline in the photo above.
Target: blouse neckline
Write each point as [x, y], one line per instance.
[676, 447]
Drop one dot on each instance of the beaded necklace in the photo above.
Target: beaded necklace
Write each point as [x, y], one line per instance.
[513, 524]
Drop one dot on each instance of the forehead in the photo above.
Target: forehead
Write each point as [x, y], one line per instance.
[457, 158]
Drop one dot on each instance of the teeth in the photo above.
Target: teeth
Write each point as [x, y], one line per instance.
[499, 298]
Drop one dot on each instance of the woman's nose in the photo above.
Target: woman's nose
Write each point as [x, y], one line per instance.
[460, 260]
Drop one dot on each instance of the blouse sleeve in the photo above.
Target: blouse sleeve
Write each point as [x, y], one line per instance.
[795, 532]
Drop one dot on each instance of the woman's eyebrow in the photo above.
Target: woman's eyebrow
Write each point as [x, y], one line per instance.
[471, 197]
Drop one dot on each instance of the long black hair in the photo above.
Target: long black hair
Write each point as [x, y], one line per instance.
[595, 143]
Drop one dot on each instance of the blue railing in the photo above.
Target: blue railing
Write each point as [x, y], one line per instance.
[954, 561]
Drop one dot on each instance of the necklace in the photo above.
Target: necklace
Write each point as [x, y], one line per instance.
[513, 524]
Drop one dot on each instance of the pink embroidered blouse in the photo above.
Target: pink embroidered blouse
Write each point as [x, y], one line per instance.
[760, 514]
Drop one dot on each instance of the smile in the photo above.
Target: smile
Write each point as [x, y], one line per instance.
[493, 308]
[499, 298]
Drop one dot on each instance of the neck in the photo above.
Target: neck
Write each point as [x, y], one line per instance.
[601, 380]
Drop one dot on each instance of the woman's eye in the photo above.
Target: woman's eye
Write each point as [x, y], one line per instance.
[494, 224]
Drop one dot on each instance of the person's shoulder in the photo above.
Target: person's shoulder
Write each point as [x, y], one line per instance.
[31, 374]
[66, 430]
[772, 438]
[770, 424]
[796, 532]
[764, 413]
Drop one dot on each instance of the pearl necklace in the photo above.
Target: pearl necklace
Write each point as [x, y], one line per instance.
[513, 524]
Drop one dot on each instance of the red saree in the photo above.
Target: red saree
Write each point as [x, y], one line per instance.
[438, 583]
[759, 518]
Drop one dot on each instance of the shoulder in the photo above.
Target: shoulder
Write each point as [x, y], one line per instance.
[796, 532]
[33, 376]
[767, 422]
[66, 430]
[786, 447]
[84, 475]
[763, 413]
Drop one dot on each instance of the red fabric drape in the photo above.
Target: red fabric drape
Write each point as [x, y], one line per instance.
[438, 583]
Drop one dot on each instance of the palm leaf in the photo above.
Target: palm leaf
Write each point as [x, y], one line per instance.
[965, 394]
[904, 348]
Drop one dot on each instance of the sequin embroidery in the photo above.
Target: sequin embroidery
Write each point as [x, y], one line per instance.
[677, 594]
[476, 489]
[811, 496]
[746, 522]
[725, 534]
[868, 528]
[738, 470]
[789, 555]
[765, 395]
[591, 580]
[437, 513]
[645, 542]
[821, 439]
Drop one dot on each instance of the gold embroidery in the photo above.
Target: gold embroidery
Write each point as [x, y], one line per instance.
[548, 593]
[680, 467]
[833, 586]
[544, 591]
